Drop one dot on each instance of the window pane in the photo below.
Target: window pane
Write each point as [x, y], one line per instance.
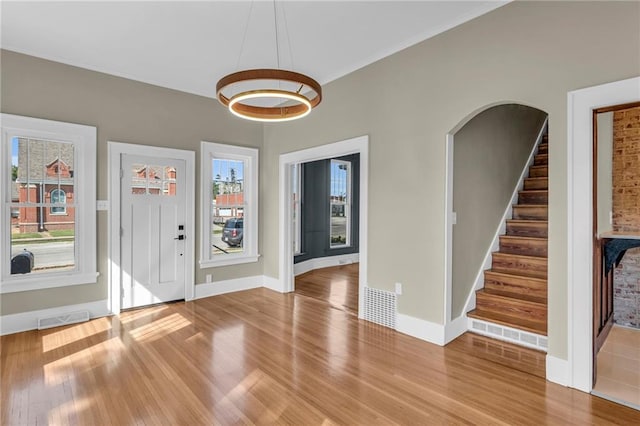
[42, 242]
[148, 179]
[139, 179]
[42, 206]
[339, 202]
[227, 186]
[39, 167]
[169, 181]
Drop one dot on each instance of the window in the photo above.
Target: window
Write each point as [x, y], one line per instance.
[58, 196]
[230, 205]
[48, 227]
[296, 185]
[148, 179]
[340, 204]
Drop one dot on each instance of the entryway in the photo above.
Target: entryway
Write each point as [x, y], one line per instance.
[359, 145]
[152, 225]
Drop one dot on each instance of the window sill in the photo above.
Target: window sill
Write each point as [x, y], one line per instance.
[343, 246]
[204, 264]
[14, 284]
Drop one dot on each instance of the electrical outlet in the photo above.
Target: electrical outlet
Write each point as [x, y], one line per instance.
[398, 288]
[208, 278]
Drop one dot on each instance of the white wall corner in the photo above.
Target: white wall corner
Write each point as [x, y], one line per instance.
[455, 328]
[557, 370]
[421, 329]
[228, 286]
[26, 321]
[273, 284]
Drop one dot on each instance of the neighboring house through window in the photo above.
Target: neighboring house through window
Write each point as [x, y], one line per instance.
[48, 233]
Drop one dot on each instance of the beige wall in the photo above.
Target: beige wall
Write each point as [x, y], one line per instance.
[531, 53]
[123, 111]
[489, 154]
[605, 176]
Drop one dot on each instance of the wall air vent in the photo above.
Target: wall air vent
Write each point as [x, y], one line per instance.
[65, 319]
[380, 307]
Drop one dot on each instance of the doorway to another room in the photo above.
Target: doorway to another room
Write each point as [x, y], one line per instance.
[616, 222]
[325, 223]
[323, 200]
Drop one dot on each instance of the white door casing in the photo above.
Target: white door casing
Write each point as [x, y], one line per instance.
[146, 264]
[152, 236]
[577, 371]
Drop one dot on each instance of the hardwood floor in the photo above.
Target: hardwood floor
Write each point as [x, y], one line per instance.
[337, 285]
[260, 357]
[619, 366]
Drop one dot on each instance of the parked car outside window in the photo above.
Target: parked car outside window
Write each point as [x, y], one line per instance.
[232, 232]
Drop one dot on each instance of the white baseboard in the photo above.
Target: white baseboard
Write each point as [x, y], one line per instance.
[557, 370]
[455, 328]
[421, 329]
[325, 262]
[26, 321]
[228, 286]
[273, 284]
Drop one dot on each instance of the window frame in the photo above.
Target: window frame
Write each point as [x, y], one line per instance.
[84, 139]
[296, 170]
[250, 156]
[347, 203]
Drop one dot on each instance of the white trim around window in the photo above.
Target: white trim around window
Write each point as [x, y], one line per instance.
[211, 151]
[83, 139]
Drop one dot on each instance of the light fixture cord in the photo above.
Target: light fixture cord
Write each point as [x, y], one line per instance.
[286, 32]
[275, 20]
[244, 36]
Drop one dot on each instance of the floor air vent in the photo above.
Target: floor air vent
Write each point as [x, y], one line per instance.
[380, 307]
[508, 334]
[72, 318]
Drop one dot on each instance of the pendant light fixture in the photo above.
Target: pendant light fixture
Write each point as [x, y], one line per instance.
[267, 94]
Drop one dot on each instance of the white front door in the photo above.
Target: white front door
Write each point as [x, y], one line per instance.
[153, 229]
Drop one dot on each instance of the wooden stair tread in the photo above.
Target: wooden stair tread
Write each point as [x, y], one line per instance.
[509, 321]
[537, 206]
[527, 221]
[506, 275]
[518, 237]
[536, 183]
[534, 191]
[501, 294]
[519, 256]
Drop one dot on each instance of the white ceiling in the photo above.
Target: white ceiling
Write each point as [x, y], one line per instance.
[188, 46]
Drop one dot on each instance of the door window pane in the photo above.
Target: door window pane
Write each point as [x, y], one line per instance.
[149, 179]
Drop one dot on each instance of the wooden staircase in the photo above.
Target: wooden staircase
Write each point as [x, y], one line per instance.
[515, 288]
